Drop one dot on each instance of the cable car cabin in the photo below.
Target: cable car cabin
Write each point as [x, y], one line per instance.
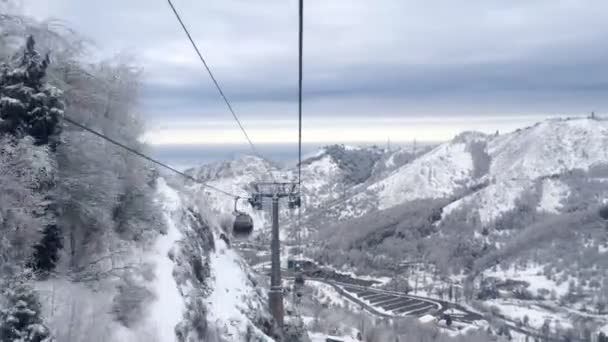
[243, 225]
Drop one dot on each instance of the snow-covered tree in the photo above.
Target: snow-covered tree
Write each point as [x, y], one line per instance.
[21, 165]
[28, 105]
[30, 109]
[106, 193]
[21, 320]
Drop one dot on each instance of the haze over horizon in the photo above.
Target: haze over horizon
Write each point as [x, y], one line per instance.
[444, 68]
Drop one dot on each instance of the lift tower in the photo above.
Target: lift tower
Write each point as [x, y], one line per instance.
[275, 191]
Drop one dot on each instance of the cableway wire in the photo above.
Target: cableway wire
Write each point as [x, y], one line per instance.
[217, 85]
[150, 159]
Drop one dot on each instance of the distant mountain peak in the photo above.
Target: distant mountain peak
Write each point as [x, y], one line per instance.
[238, 166]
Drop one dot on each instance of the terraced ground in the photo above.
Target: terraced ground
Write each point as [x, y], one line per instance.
[391, 303]
[384, 303]
[396, 304]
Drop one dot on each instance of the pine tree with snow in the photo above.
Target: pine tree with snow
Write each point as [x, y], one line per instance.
[21, 321]
[29, 105]
[46, 252]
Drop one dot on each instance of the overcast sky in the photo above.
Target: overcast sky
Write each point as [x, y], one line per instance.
[398, 69]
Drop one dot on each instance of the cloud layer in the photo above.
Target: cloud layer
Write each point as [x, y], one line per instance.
[401, 61]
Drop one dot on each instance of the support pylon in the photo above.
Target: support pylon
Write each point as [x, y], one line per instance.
[276, 191]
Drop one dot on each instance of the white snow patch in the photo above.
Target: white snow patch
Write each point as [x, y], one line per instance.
[537, 316]
[493, 200]
[320, 337]
[436, 174]
[427, 319]
[550, 147]
[327, 294]
[232, 293]
[532, 275]
[553, 192]
[390, 162]
[167, 309]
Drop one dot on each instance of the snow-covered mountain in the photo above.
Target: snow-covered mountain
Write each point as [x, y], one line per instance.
[196, 288]
[438, 173]
[212, 279]
[331, 175]
[488, 173]
[198, 275]
[537, 160]
[526, 210]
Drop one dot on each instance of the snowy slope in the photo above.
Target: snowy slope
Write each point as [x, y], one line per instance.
[234, 168]
[234, 299]
[220, 288]
[545, 150]
[554, 192]
[195, 285]
[549, 147]
[323, 183]
[437, 174]
[493, 200]
[166, 311]
[515, 162]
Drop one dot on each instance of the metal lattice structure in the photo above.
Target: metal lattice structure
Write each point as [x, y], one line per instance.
[276, 191]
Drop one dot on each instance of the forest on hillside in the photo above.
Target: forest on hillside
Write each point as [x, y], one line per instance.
[569, 245]
[71, 204]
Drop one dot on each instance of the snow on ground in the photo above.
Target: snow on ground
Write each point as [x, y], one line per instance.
[327, 294]
[549, 147]
[390, 162]
[553, 192]
[493, 200]
[320, 337]
[534, 276]
[232, 293]
[75, 312]
[377, 308]
[436, 174]
[517, 310]
[320, 180]
[427, 319]
[167, 309]
[83, 312]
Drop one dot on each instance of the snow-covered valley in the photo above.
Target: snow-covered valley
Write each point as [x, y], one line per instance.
[491, 190]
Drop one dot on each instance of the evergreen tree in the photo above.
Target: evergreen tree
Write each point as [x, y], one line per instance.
[28, 105]
[46, 252]
[21, 321]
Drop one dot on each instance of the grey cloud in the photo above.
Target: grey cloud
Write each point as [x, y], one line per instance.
[517, 56]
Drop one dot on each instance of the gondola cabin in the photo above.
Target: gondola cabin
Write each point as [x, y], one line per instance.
[243, 225]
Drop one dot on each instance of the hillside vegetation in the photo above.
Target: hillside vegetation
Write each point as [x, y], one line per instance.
[94, 244]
